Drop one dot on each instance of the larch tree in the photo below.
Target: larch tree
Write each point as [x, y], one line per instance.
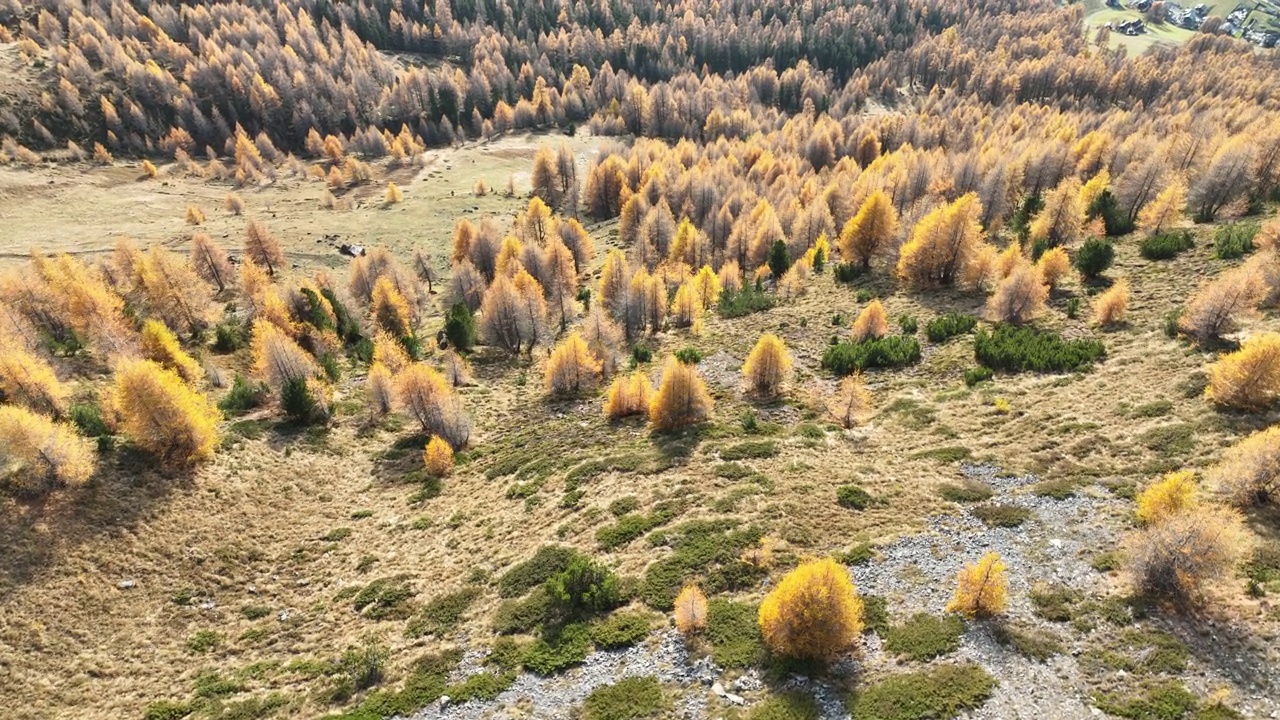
[1249, 473]
[691, 610]
[1165, 211]
[559, 280]
[389, 309]
[813, 613]
[38, 454]
[26, 379]
[161, 346]
[578, 240]
[871, 323]
[1174, 493]
[546, 177]
[500, 317]
[1228, 178]
[531, 309]
[942, 243]
[1178, 555]
[262, 247]
[1061, 220]
[1018, 298]
[172, 290]
[1249, 378]
[571, 368]
[1221, 303]
[604, 338]
[379, 391]
[614, 279]
[768, 366]
[852, 401]
[211, 262]
[162, 414]
[871, 232]
[1110, 307]
[982, 589]
[428, 397]
[682, 399]
[1054, 265]
[628, 395]
[437, 457]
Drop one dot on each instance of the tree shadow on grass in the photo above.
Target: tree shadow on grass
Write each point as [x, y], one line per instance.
[35, 531]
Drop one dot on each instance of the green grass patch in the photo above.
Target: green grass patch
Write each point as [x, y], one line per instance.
[483, 686]
[705, 550]
[924, 637]
[953, 454]
[787, 706]
[1059, 489]
[385, 598]
[628, 699]
[1166, 246]
[202, 641]
[548, 561]
[523, 615]
[622, 629]
[442, 613]
[630, 527]
[940, 692]
[558, 650]
[1177, 439]
[1033, 643]
[1163, 700]
[966, 491]
[750, 450]
[1234, 240]
[853, 497]
[1001, 516]
[739, 303]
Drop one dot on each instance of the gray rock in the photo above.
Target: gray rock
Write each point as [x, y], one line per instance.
[127, 584]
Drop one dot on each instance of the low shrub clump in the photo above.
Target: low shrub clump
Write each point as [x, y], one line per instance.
[1003, 516]
[942, 329]
[940, 692]
[1234, 241]
[1019, 349]
[737, 303]
[925, 637]
[1166, 246]
[889, 351]
[967, 490]
[628, 699]
[853, 497]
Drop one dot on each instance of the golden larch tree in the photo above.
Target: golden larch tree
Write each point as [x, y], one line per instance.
[389, 309]
[851, 402]
[942, 243]
[871, 323]
[379, 391]
[162, 414]
[1221, 303]
[1110, 307]
[1054, 265]
[437, 457]
[1172, 494]
[394, 194]
[1018, 298]
[682, 398]
[388, 352]
[768, 366]
[26, 379]
[1249, 378]
[262, 247]
[211, 262]
[982, 589]
[277, 358]
[691, 610]
[38, 454]
[1177, 556]
[813, 613]
[571, 368]
[1249, 473]
[429, 398]
[628, 395]
[1061, 220]
[1166, 211]
[161, 346]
